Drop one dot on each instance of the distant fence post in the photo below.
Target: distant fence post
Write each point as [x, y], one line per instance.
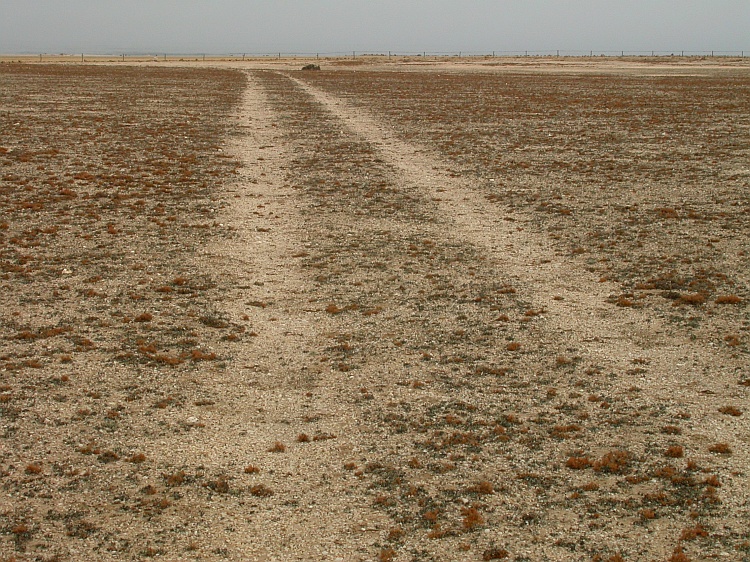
[81, 57]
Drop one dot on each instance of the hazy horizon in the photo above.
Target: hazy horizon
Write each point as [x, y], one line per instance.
[337, 26]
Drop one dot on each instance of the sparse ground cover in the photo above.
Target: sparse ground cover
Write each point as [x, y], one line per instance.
[108, 185]
[643, 177]
[514, 324]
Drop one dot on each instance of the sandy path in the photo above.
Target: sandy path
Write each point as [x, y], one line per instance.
[276, 387]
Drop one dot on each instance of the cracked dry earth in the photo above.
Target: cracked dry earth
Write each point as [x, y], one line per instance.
[331, 318]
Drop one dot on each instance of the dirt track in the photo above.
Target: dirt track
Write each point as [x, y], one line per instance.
[448, 380]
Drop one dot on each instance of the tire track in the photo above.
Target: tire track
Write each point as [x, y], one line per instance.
[576, 319]
[578, 314]
[274, 391]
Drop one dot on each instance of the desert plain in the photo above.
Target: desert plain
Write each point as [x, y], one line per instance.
[408, 310]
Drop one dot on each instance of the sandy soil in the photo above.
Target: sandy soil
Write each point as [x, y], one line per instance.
[377, 312]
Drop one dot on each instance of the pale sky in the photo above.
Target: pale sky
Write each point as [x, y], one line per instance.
[310, 26]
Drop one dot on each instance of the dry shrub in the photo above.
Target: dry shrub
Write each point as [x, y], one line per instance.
[20, 529]
[679, 555]
[198, 355]
[564, 431]
[728, 299]
[712, 481]
[261, 491]
[667, 212]
[386, 555]
[108, 456]
[395, 533]
[694, 299]
[431, 515]
[561, 361]
[450, 419]
[648, 514]
[472, 518]
[578, 463]
[482, 487]
[693, 533]
[721, 449]
[167, 359]
[384, 500]
[614, 462]
[625, 301]
[675, 452]
[733, 340]
[730, 411]
[176, 479]
[220, 485]
[323, 436]
[495, 554]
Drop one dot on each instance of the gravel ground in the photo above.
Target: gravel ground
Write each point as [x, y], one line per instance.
[376, 312]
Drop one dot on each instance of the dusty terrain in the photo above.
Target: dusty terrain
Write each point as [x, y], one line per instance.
[377, 312]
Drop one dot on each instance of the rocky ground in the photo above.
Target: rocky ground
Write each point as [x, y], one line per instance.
[394, 312]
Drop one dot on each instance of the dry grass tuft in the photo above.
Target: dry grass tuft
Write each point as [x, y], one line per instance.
[730, 411]
[261, 491]
[675, 452]
[579, 463]
[495, 554]
[472, 518]
[482, 487]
